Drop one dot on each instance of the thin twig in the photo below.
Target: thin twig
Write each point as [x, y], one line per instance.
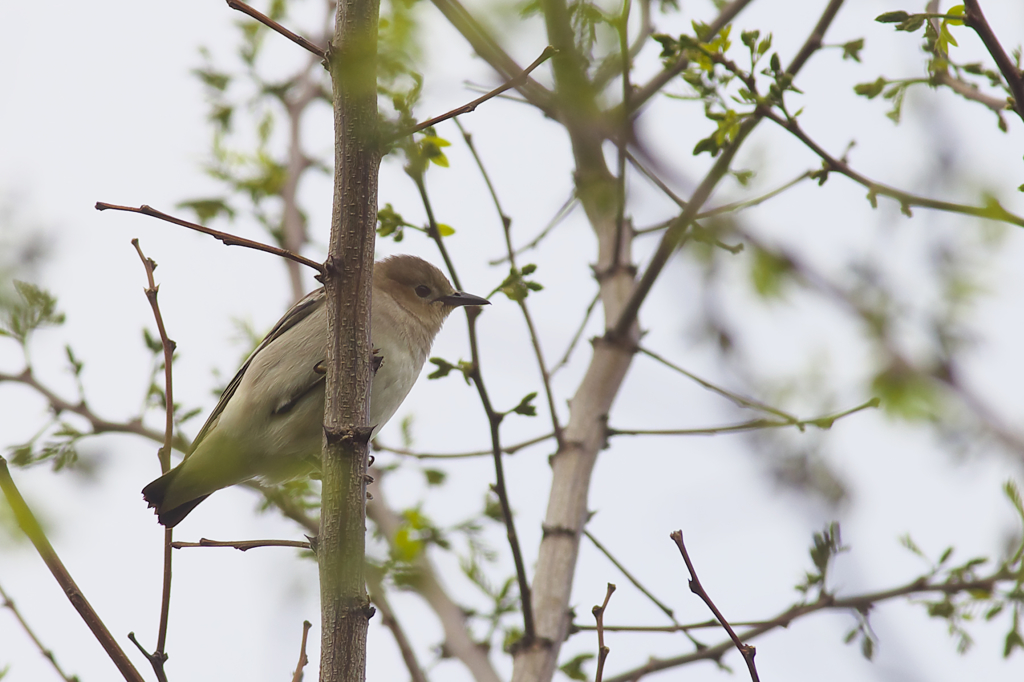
[578, 335]
[561, 214]
[270, 23]
[746, 650]
[861, 603]
[735, 398]
[974, 18]
[508, 450]
[506, 223]
[227, 239]
[159, 655]
[602, 650]
[303, 659]
[629, 576]
[47, 653]
[824, 422]
[724, 208]
[992, 211]
[30, 526]
[242, 545]
[494, 419]
[470, 107]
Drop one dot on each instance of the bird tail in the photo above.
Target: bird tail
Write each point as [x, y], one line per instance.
[154, 494]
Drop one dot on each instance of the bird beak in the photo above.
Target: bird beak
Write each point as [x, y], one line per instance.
[460, 299]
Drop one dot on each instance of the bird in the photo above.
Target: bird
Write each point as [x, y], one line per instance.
[268, 423]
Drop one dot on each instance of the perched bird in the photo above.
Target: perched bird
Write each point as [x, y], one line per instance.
[269, 420]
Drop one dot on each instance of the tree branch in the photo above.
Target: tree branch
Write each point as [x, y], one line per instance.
[30, 526]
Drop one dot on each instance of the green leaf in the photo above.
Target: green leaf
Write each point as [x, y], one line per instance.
[516, 287]
[892, 17]
[445, 230]
[435, 476]
[208, 209]
[574, 667]
[851, 49]
[905, 393]
[37, 308]
[1013, 641]
[769, 273]
[525, 406]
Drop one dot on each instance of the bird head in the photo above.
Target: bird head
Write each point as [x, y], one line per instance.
[421, 289]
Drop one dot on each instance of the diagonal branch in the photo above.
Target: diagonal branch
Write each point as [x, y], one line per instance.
[227, 239]
[270, 23]
[975, 18]
[30, 526]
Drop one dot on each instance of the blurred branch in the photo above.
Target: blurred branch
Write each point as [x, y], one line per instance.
[824, 422]
[484, 44]
[98, 425]
[30, 526]
[379, 597]
[452, 616]
[47, 654]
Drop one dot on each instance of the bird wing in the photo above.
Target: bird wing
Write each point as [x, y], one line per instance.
[298, 312]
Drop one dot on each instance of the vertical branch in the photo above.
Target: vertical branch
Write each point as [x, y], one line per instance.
[345, 607]
[159, 656]
[602, 649]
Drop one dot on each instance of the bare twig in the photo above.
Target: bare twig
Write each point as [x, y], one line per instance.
[303, 659]
[861, 603]
[514, 82]
[227, 239]
[578, 335]
[974, 18]
[602, 650]
[30, 526]
[746, 650]
[47, 653]
[561, 214]
[735, 398]
[629, 576]
[270, 23]
[824, 422]
[159, 655]
[242, 545]
[508, 449]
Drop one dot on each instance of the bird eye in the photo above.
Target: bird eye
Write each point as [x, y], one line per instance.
[423, 291]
